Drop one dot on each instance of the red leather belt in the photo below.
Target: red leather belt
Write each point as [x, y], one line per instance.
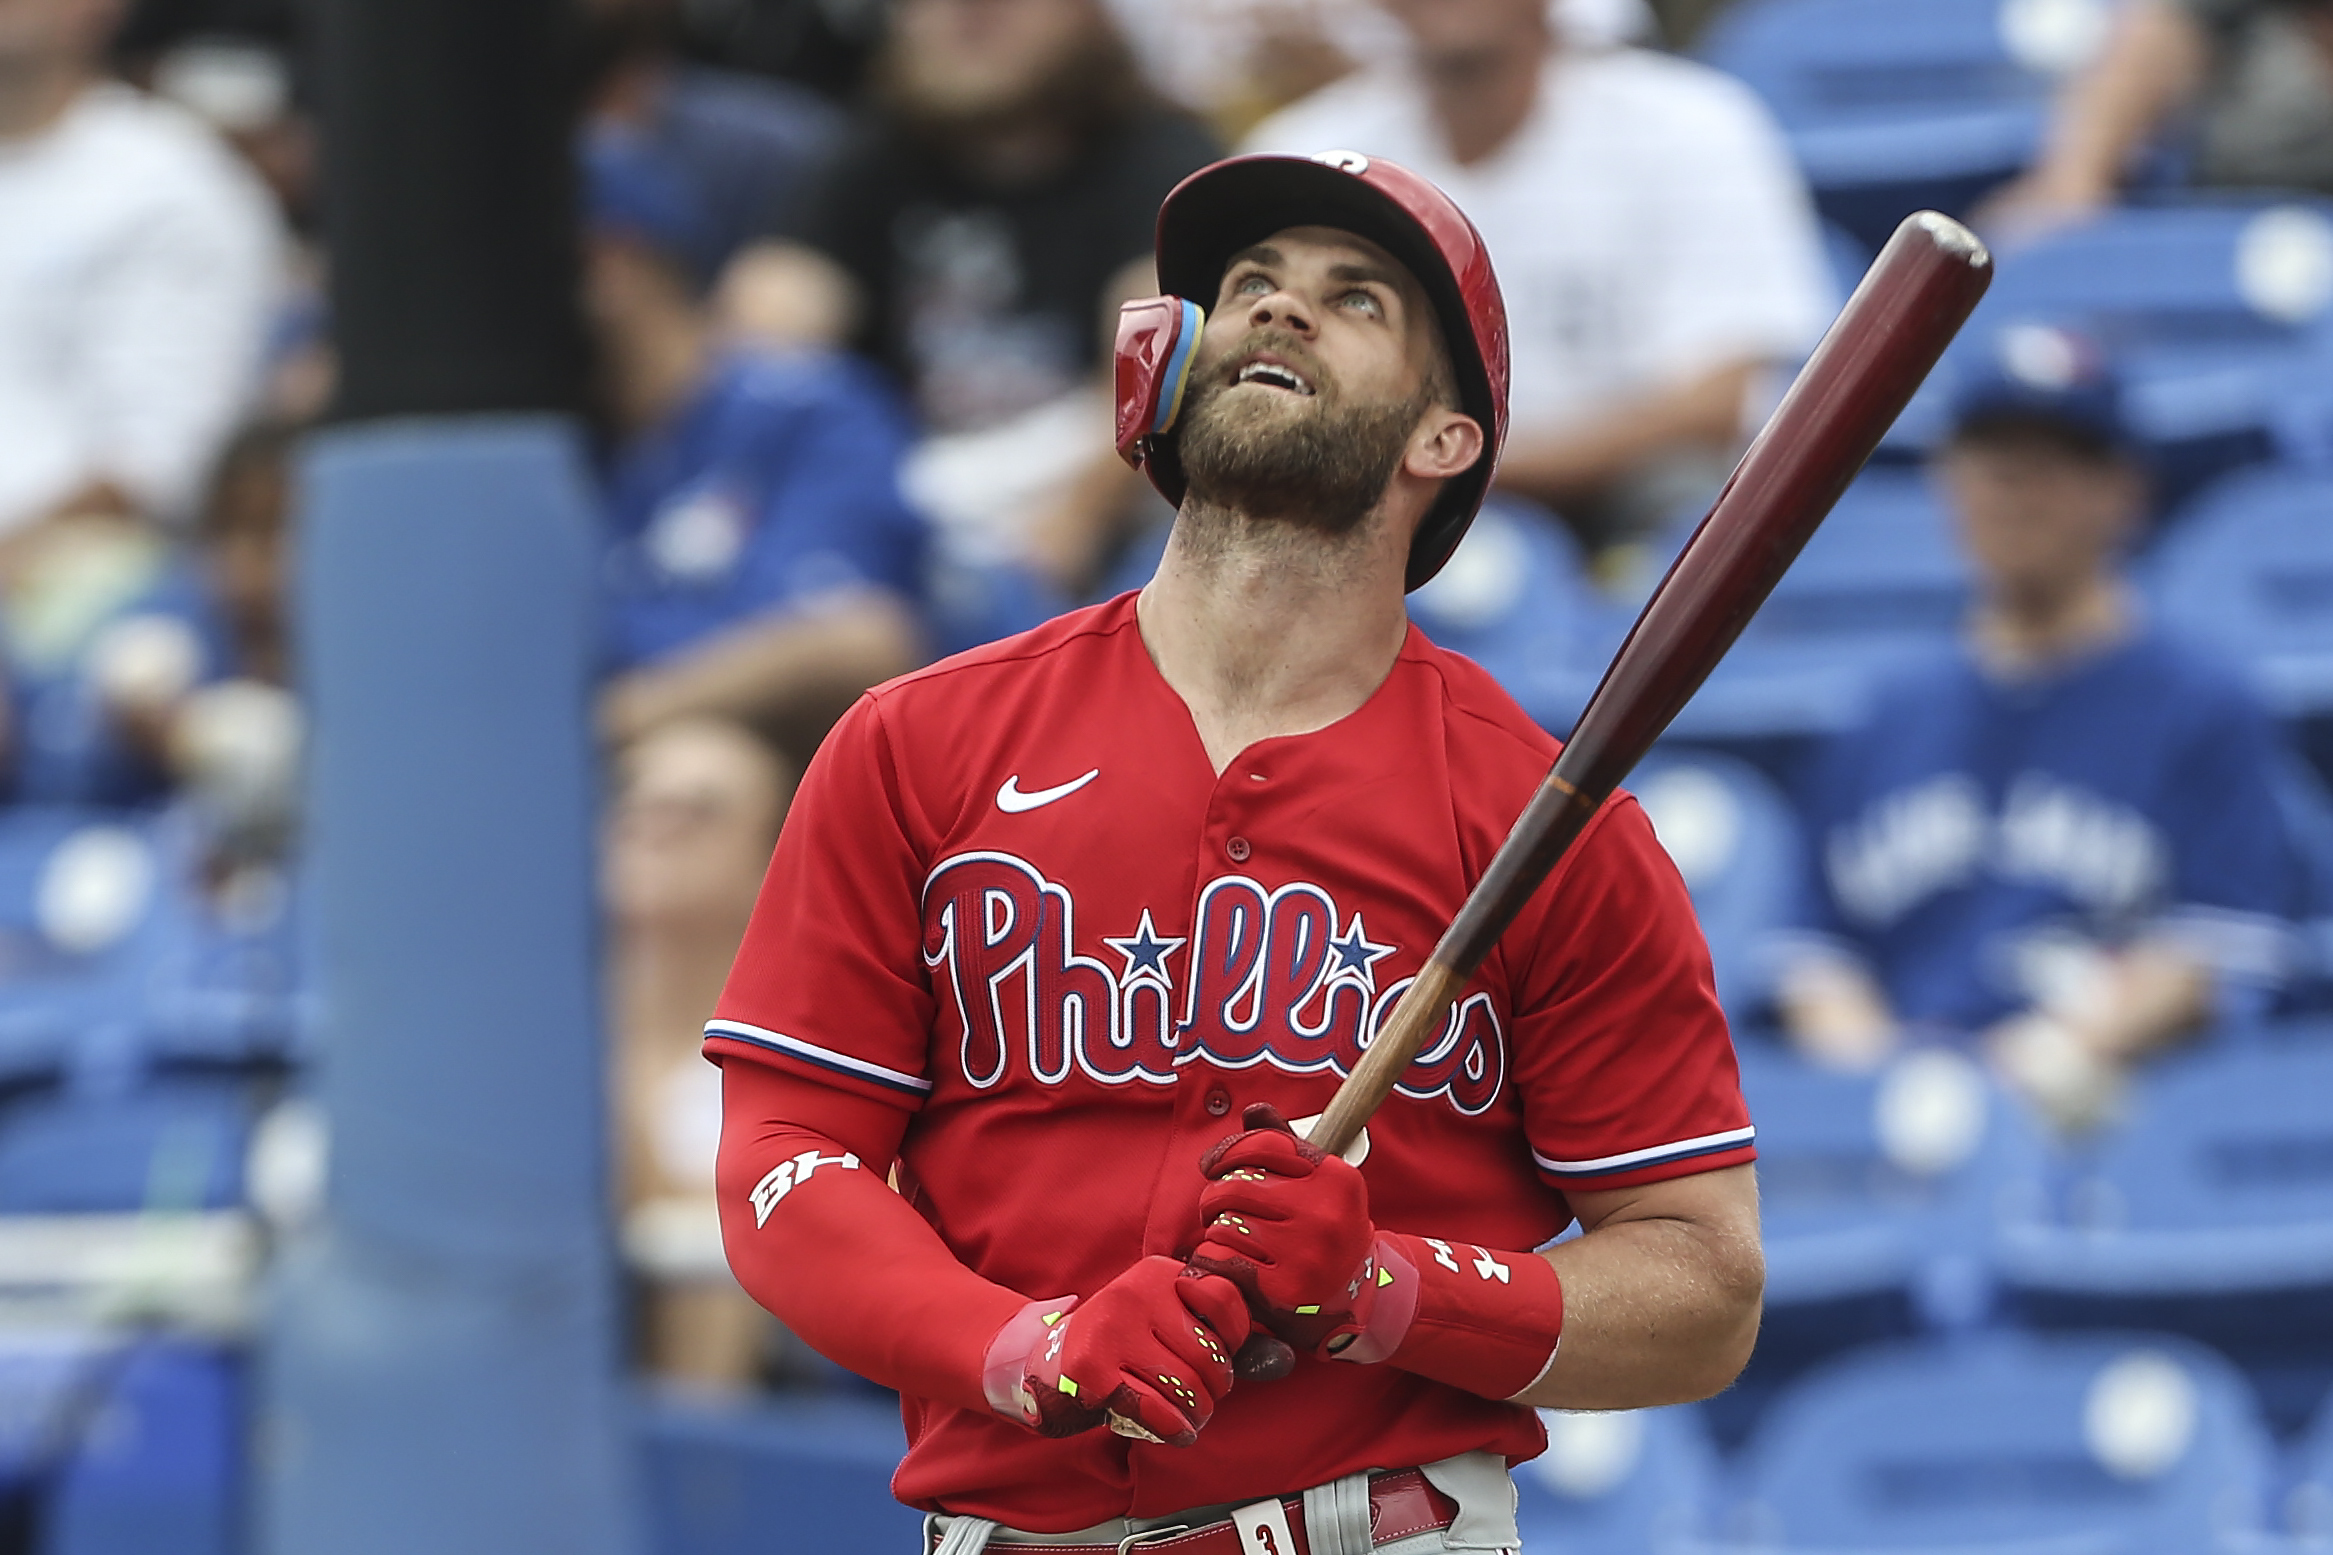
[1400, 1504]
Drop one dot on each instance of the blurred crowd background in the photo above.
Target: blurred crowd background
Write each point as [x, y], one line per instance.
[2007, 820]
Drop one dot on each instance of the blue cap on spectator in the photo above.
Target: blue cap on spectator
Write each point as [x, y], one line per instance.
[2046, 374]
[632, 191]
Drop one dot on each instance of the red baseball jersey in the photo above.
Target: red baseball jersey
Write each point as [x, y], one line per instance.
[1014, 899]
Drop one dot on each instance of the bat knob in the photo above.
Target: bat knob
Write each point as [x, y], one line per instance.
[1263, 1359]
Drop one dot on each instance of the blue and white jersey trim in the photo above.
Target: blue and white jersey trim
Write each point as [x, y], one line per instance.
[824, 1058]
[1651, 1155]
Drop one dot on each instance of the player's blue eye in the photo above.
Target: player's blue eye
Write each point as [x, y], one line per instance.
[1255, 285]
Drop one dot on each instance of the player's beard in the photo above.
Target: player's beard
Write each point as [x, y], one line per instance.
[1324, 468]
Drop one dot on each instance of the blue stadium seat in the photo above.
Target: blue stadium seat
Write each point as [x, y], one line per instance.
[2212, 312]
[1515, 599]
[169, 1145]
[1882, 580]
[1735, 840]
[78, 891]
[110, 944]
[50, 1380]
[160, 1465]
[2307, 808]
[1627, 1482]
[2309, 1504]
[2250, 570]
[751, 1479]
[1893, 107]
[2007, 1444]
[1878, 1197]
[226, 969]
[2208, 1211]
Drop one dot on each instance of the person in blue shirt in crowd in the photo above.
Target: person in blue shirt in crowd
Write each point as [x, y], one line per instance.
[2059, 842]
[762, 570]
[763, 565]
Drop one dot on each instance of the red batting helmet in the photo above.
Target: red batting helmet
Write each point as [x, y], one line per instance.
[1222, 209]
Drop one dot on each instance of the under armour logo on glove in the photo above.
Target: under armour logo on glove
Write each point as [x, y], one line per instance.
[788, 1175]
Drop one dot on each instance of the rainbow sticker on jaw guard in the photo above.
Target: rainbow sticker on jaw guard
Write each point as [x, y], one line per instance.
[1178, 365]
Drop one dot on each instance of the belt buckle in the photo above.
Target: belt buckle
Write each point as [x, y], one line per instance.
[1134, 1541]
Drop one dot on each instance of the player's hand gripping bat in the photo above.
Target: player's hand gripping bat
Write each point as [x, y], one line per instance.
[1911, 303]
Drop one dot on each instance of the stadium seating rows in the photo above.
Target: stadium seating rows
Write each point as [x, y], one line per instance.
[1975, 1340]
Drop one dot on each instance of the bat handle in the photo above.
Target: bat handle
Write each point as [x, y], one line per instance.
[1264, 1358]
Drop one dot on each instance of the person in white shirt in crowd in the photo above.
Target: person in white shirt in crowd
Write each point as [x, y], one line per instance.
[139, 261]
[1234, 61]
[1657, 247]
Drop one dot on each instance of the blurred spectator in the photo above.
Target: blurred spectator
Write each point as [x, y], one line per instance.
[695, 815]
[1656, 246]
[243, 88]
[763, 565]
[2256, 76]
[1234, 61]
[2062, 837]
[746, 144]
[234, 743]
[175, 674]
[975, 236]
[138, 267]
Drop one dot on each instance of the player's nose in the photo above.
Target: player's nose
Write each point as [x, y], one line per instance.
[1282, 309]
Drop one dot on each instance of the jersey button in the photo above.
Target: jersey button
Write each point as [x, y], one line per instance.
[1218, 1102]
[1239, 850]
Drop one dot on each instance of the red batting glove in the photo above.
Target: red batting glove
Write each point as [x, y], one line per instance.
[1149, 1354]
[1289, 1224]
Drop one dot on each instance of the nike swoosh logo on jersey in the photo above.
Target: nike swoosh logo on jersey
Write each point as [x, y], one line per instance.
[1012, 801]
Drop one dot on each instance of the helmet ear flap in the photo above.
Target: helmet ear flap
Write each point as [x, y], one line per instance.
[1157, 337]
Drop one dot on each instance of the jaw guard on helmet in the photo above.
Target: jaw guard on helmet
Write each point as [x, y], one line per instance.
[1231, 205]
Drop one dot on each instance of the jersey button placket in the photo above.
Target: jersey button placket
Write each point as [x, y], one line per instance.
[1237, 850]
[1218, 1102]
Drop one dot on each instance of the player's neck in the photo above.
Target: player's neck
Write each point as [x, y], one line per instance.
[2021, 633]
[1265, 630]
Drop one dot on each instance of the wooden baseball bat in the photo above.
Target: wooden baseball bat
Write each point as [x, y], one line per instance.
[1910, 304]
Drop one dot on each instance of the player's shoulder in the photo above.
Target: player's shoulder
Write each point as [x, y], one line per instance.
[1486, 728]
[965, 684]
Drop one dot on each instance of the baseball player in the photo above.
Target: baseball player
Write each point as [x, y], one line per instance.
[1067, 937]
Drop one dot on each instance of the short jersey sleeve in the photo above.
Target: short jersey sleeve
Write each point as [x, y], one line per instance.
[829, 983]
[2234, 872]
[1622, 1057]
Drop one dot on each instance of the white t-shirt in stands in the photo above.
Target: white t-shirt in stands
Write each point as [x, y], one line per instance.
[139, 269]
[1646, 221]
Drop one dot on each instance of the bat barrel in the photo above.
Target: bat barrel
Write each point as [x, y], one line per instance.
[1910, 304]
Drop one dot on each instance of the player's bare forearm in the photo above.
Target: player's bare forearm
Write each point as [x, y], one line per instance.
[1661, 1296]
[771, 670]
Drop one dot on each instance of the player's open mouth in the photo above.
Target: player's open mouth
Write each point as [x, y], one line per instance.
[1273, 375]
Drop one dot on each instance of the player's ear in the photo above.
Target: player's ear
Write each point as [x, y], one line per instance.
[1446, 442]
